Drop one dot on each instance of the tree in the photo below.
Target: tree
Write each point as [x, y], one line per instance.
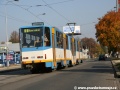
[108, 30]
[2, 42]
[90, 44]
[14, 37]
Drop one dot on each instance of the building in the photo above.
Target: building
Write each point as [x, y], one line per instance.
[9, 49]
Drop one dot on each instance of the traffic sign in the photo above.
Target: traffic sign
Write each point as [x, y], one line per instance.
[9, 57]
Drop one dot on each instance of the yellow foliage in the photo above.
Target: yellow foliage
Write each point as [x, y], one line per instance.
[108, 29]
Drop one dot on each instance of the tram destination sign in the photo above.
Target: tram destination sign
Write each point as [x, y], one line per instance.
[38, 24]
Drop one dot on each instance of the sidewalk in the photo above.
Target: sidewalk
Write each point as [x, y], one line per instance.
[10, 68]
[114, 63]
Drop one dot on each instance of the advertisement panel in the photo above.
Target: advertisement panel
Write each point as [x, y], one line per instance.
[70, 29]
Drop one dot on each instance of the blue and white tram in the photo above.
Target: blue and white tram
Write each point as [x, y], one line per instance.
[47, 48]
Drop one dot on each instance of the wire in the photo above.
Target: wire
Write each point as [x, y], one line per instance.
[43, 5]
[50, 4]
[29, 12]
[56, 11]
[16, 19]
[88, 23]
[59, 2]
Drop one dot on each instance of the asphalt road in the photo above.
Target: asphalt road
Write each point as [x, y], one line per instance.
[87, 74]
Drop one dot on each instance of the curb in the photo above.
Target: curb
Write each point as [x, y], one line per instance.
[116, 71]
[10, 69]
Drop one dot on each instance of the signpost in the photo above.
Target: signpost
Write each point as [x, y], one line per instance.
[8, 57]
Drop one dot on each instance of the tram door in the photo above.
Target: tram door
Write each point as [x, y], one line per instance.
[53, 46]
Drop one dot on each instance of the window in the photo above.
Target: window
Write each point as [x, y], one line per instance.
[77, 45]
[74, 45]
[66, 42]
[47, 40]
[71, 43]
[32, 37]
[59, 39]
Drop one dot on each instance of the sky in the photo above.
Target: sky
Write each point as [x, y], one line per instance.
[58, 13]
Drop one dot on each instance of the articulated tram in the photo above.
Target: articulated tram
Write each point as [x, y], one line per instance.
[47, 48]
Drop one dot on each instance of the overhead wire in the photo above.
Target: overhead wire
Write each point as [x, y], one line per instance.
[29, 12]
[14, 18]
[42, 5]
[59, 2]
[51, 3]
[56, 11]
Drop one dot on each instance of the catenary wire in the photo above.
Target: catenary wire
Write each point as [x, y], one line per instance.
[56, 11]
[30, 12]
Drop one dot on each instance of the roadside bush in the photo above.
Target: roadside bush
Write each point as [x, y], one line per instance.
[118, 65]
[115, 58]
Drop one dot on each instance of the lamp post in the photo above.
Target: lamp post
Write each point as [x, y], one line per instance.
[6, 29]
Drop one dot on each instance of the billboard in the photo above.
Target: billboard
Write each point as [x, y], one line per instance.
[70, 29]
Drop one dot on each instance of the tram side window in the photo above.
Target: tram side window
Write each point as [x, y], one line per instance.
[71, 44]
[74, 45]
[59, 38]
[47, 41]
[77, 46]
[66, 42]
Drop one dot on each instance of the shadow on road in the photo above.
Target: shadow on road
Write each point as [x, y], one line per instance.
[102, 67]
[89, 70]
[16, 72]
[97, 68]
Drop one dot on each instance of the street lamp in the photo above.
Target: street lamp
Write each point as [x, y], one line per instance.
[6, 27]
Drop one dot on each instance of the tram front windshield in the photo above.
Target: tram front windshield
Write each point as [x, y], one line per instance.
[31, 37]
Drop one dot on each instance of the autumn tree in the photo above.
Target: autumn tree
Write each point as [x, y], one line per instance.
[90, 44]
[108, 30]
[14, 37]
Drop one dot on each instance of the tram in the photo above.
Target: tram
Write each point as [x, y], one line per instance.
[47, 48]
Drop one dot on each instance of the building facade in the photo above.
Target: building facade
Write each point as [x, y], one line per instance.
[9, 49]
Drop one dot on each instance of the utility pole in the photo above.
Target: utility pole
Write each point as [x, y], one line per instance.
[6, 27]
[72, 30]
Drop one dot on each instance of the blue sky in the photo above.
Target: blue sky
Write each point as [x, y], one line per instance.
[57, 13]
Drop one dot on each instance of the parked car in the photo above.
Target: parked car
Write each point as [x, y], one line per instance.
[101, 57]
